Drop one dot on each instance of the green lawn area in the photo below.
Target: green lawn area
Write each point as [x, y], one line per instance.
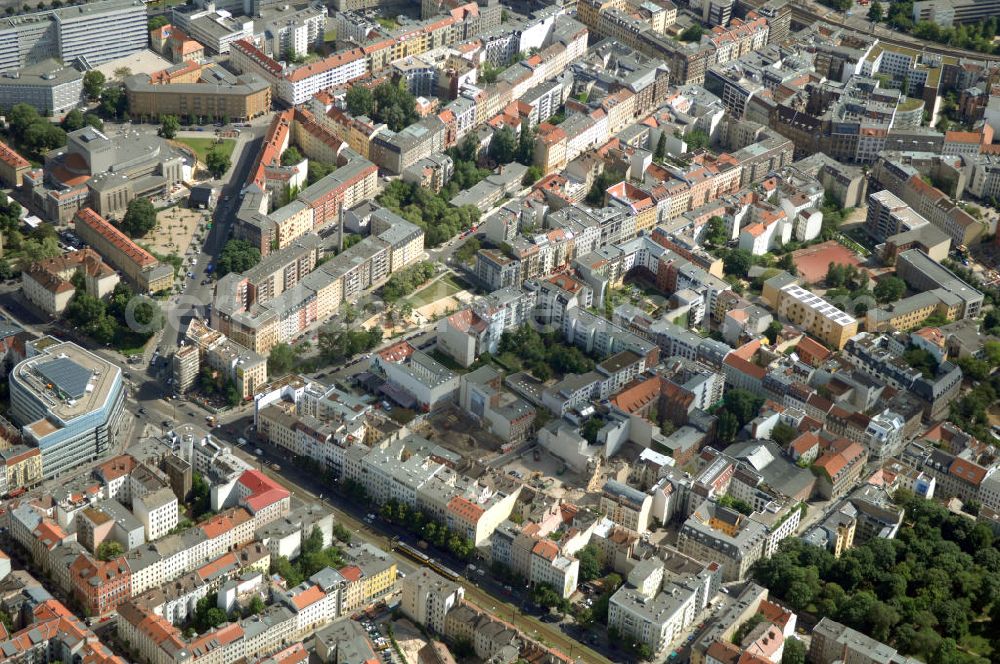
[443, 287]
[330, 35]
[387, 23]
[202, 145]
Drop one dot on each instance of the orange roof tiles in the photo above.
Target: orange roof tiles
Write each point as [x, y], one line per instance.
[967, 471]
[336, 60]
[49, 533]
[633, 397]
[103, 227]
[397, 352]
[465, 509]
[814, 350]
[804, 442]
[116, 467]
[546, 549]
[839, 457]
[259, 56]
[274, 143]
[263, 490]
[224, 522]
[467, 320]
[308, 597]
[967, 137]
[352, 573]
[12, 158]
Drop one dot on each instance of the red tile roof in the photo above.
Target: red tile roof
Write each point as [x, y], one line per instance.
[352, 573]
[263, 490]
[12, 158]
[465, 509]
[308, 597]
[546, 549]
[103, 227]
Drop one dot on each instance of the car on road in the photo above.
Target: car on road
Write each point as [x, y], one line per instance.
[142, 411]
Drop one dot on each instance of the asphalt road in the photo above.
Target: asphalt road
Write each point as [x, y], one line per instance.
[197, 296]
[352, 514]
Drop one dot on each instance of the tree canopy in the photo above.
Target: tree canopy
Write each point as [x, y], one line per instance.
[933, 586]
[33, 132]
[139, 219]
[291, 156]
[237, 256]
[738, 407]
[281, 360]
[169, 124]
[737, 263]
[336, 345]
[543, 353]
[394, 105]
[360, 101]
[109, 322]
[601, 183]
[439, 220]
[407, 280]
[217, 162]
[692, 33]
[93, 84]
[889, 289]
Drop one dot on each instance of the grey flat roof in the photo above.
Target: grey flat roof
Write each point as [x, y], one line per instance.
[66, 375]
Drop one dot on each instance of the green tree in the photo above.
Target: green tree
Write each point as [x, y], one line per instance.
[715, 232]
[318, 170]
[33, 250]
[526, 144]
[503, 146]
[217, 162]
[532, 175]
[281, 360]
[875, 12]
[113, 102]
[237, 256]
[256, 606]
[601, 183]
[108, 550]
[93, 84]
[773, 330]
[359, 101]
[661, 147]
[918, 358]
[889, 289]
[169, 124]
[73, 120]
[737, 263]
[692, 33]
[697, 139]
[787, 263]
[200, 495]
[139, 219]
[783, 434]
[342, 533]
[795, 650]
[156, 22]
[590, 563]
[394, 105]
[291, 156]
